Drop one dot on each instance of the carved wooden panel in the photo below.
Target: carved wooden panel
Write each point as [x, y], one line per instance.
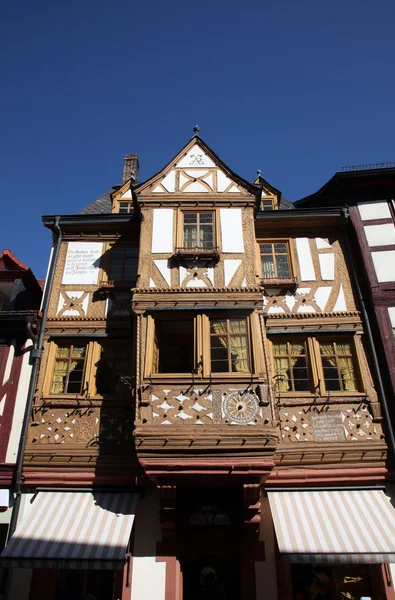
[86, 426]
[297, 424]
[203, 406]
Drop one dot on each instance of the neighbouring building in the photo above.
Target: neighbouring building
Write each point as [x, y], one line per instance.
[20, 297]
[206, 422]
[368, 192]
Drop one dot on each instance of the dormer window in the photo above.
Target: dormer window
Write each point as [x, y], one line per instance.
[198, 230]
[266, 203]
[125, 206]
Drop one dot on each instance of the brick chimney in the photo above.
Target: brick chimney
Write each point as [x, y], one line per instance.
[130, 167]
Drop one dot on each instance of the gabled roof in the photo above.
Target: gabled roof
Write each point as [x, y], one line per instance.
[350, 186]
[196, 140]
[9, 262]
[284, 203]
[11, 269]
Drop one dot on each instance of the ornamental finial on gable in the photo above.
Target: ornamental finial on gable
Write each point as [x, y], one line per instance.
[196, 129]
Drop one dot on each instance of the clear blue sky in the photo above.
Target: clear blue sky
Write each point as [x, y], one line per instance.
[295, 88]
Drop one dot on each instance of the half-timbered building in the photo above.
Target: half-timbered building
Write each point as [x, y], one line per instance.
[206, 423]
[20, 298]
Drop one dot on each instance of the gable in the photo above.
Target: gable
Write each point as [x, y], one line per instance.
[196, 170]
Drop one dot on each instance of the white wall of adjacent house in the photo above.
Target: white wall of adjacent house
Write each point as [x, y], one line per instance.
[20, 403]
[265, 570]
[379, 234]
[391, 314]
[148, 575]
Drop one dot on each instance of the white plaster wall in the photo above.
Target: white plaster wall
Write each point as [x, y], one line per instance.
[340, 304]
[162, 230]
[391, 314]
[164, 269]
[148, 576]
[374, 210]
[169, 181]
[230, 268]
[327, 266]
[231, 230]
[10, 358]
[265, 571]
[196, 157]
[384, 265]
[20, 403]
[306, 265]
[46, 278]
[5, 516]
[380, 235]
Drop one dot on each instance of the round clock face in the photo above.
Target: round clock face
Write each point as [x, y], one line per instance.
[241, 408]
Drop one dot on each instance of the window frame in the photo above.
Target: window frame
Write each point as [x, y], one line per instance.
[129, 203]
[291, 261]
[200, 210]
[70, 345]
[202, 347]
[92, 357]
[266, 198]
[229, 335]
[120, 283]
[314, 363]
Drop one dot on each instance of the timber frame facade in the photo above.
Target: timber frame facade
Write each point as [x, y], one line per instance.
[204, 343]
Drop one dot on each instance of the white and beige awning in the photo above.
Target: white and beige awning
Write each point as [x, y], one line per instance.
[356, 526]
[74, 530]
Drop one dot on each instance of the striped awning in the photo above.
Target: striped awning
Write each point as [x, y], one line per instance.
[74, 530]
[356, 526]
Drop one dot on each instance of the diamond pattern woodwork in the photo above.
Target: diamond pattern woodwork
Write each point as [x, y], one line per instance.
[202, 407]
[357, 423]
[85, 426]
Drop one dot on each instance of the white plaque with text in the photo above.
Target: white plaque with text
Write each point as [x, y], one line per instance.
[82, 262]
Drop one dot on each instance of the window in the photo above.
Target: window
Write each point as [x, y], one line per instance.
[338, 366]
[114, 363]
[125, 206]
[229, 346]
[89, 369]
[173, 346]
[200, 344]
[335, 360]
[266, 203]
[275, 260]
[69, 368]
[123, 266]
[291, 368]
[198, 230]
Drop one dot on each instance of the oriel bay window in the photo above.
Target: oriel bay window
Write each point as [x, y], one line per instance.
[229, 346]
[310, 364]
[202, 344]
